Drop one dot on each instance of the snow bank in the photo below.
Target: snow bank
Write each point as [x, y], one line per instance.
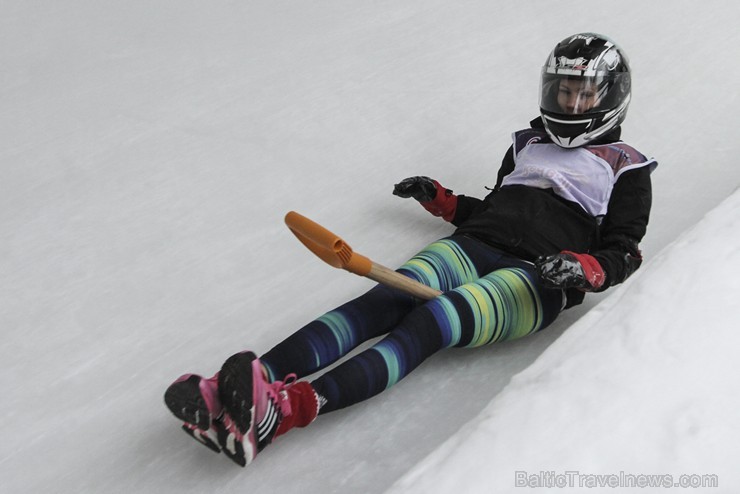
[645, 385]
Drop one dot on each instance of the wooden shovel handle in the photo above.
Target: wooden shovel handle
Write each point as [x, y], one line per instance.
[388, 277]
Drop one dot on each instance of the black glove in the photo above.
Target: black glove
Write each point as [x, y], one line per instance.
[423, 189]
[570, 270]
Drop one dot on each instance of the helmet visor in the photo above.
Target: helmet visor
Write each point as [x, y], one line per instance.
[569, 94]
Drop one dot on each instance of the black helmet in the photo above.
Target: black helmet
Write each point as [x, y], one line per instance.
[585, 89]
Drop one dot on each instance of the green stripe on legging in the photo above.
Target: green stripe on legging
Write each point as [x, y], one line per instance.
[504, 306]
[442, 265]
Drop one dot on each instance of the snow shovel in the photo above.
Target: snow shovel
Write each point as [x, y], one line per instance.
[335, 252]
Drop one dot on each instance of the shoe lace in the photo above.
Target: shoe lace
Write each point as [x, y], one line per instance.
[281, 391]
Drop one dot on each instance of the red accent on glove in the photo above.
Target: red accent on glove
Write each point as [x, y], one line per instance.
[592, 270]
[304, 406]
[444, 203]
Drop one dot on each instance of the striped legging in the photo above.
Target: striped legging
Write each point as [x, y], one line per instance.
[488, 297]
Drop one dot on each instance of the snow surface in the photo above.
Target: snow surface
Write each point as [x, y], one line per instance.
[150, 152]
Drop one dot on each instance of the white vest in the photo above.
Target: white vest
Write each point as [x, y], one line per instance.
[584, 175]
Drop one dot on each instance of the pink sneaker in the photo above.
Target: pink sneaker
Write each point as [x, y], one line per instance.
[195, 401]
[257, 411]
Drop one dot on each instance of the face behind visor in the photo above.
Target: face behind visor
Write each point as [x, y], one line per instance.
[585, 89]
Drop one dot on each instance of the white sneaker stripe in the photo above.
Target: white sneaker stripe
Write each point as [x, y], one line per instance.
[268, 421]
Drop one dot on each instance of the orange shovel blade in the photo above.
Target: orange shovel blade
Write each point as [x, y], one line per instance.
[326, 245]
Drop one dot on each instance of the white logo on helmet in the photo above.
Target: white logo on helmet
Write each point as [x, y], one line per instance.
[579, 63]
[611, 59]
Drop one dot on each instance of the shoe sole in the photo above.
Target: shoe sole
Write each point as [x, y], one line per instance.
[235, 389]
[203, 438]
[187, 404]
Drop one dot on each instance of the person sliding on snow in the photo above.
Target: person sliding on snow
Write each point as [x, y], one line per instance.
[569, 208]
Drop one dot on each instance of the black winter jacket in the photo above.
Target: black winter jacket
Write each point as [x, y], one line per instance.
[529, 222]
